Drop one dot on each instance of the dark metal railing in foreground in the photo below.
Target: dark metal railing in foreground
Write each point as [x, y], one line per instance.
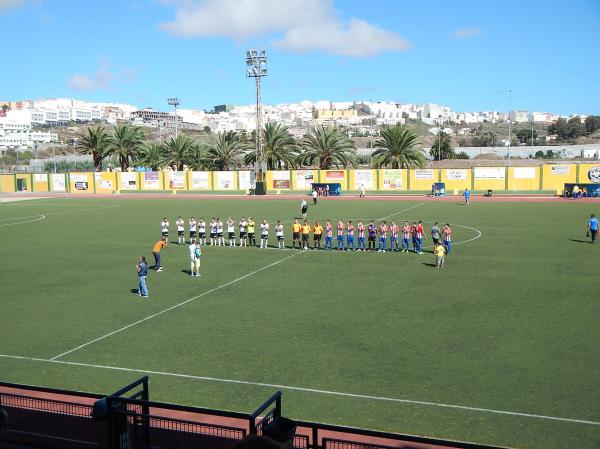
[60, 419]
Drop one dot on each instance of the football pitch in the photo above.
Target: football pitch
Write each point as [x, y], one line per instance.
[501, 346]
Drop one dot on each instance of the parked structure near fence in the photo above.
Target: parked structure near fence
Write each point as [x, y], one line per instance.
[546, 178]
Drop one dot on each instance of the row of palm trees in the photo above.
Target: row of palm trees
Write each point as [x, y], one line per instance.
[397, 147]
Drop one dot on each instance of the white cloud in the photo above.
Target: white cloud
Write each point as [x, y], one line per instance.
[5, 4]
[462, 33]
[103, 79]
[301, 25]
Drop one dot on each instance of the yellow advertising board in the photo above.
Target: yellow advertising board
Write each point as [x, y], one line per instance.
[392, 179]
[456, 179]
[362, 178]
[523, 178]
[423, 178]
[105, 182]
[81, 182]
[556, 175]
[489, 178]
[334, 175]
[303, 179]
[40, 182]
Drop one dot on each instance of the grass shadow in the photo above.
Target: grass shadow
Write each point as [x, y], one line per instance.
[580, 241]
[430, 264]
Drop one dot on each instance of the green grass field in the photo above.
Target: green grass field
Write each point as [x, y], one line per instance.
[508, 329]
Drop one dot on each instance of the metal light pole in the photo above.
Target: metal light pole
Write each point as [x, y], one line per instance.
[256, 67]
[174, 102]
[509, 126]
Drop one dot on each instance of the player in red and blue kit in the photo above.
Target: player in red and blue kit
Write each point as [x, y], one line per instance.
[350, 236]
[405, 237]
[447, 234]
[394, 229]
[420, 235]
[383, 229]
[328, 236]
[413, 235]
[340, 235]
[361, 236]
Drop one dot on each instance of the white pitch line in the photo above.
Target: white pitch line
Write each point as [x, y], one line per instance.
[40, 217]
[306, 390]
[168, 309]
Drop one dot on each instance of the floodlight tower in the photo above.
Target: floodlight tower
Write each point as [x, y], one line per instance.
[174, 102]
[256, 67]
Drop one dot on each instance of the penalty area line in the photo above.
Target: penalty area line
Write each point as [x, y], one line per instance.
[175, 306]
[306, 390]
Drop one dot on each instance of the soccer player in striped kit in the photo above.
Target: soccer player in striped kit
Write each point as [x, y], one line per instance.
[394, 228]
[340, 234]
[361, 236]
[405, 237]
[413, 235]
[350, 236]
[328, 236]
[447, 234]
[420, 235]
[383, 229]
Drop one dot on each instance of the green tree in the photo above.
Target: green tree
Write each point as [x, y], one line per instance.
[592, 123]
[151, 155]
[441, 148]
[207, 130]
[328, 147]
[225, 152]
[398, 147]
[197, 157]
[484, 139]
[559, 128]
[461, 155]
[539, 155]
[524, 135]
[575, 128]
[176, 151]
[95, 142]
[125, 144]
[279, 147]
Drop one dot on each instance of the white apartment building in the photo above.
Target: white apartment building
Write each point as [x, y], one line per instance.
[519, 116]
[22, 140]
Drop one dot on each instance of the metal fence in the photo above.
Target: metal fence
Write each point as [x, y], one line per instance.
[128, 419]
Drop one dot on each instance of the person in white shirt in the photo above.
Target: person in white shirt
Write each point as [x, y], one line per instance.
[243, 232]
[231, 231]
[193, 227]
[279, 234]
[180, 230]
[164, 229]
[314, 196]
[303, 208]
[213, 231]
[362, 190]
[264, 234]
[220, 239]
[195, 254]
[202, 231]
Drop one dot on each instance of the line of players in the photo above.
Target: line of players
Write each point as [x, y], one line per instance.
[370, 237]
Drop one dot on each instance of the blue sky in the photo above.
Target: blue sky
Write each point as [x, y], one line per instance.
[464, 54]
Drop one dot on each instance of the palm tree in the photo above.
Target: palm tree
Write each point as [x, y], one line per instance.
[125, 144]
[279, 147]
[196, 158]
[225, 152]
[176, 151]
[441, 148]
[329, 147]
[398, 147]
[96, 142]
[151, 155]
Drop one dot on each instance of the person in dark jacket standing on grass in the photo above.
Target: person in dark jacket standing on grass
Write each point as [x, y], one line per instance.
[142, 272]
[593, 228]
